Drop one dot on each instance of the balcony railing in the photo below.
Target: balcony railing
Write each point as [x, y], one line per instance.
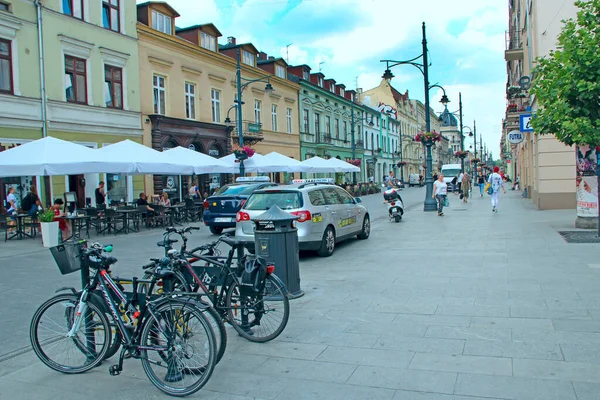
[360, 144]
[514, 45]
[251, 132]
[323, 139]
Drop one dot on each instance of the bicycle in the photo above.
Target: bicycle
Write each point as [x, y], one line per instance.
[258, 310]
[170, 332]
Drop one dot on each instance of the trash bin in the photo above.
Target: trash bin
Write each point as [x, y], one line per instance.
[276, 240]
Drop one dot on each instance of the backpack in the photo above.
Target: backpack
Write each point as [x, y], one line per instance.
[27, 203]
[253, 275]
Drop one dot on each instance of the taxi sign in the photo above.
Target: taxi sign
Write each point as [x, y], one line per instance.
[242, 179]
[316, 180]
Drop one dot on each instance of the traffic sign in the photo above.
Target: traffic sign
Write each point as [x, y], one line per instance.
[525, 123]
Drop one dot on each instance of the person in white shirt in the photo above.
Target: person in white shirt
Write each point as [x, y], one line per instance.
[496, 182]
[440, 190]
[459, 180]
[11, 201]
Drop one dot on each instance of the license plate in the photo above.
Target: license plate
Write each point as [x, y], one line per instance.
[223, 219]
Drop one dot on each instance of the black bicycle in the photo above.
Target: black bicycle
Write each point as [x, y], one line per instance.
[71, 333]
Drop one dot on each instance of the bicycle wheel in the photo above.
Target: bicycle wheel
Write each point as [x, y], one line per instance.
[178, 350]
[62, 351]
[258, 318]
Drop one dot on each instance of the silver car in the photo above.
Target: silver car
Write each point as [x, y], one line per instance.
[327, 214]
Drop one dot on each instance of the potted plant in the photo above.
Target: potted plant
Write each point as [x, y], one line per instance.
[50, 231]
[243, 153]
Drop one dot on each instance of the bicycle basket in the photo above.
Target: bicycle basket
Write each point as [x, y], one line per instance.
[67, 256]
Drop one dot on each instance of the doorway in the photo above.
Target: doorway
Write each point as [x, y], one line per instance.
[77, 185]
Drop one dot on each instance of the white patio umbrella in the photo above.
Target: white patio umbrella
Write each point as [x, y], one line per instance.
[144, 159]
[343, 166]
[280, 163]
[51, 156]
[320, 165]
[201, 163]
[256, 163]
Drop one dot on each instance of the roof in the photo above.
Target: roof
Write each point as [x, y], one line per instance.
[260, 62]
[199, 26]
[447, 118]
[162, 3]
[399, 96]
[230, 46]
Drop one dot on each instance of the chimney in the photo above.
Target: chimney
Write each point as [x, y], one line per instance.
[262, 55]
[271, 58]
[231, 40]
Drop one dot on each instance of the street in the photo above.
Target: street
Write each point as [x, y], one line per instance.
[470, 306]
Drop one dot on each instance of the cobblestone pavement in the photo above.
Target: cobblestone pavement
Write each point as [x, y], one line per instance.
[469, 306]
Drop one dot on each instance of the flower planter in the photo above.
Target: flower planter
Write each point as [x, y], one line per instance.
[50, 234]
[241, 155]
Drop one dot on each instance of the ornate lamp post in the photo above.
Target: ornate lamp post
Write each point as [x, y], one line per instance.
[430, 203]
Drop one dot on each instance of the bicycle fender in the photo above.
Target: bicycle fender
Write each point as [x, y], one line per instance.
[65, 288]
[276, 278]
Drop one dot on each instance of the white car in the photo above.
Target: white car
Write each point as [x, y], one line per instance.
[327, 214]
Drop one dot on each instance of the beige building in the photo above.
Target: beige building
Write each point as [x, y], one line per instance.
[545, 166]
[188, 87]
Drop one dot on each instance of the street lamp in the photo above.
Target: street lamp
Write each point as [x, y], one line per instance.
[429, 204]
[238, 101]
[353, 122]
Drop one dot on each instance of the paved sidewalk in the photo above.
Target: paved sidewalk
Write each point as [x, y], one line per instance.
[470, 306]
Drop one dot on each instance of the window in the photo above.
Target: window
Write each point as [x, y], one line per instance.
[320, 81]
[110, 14]
[75, 80]
[288, 116]
[159, 94]
[248, 58]
[4, 7]
[305, 75]
[215, 100]
[74, 8]
[257, 111]
[317, 124]
[316, 198]
[113, 87]
[305, 119]
[331, 197]
[337, 128]
[190, 100]
[332, 88]
[208, 42]
[328, 126]
[274, 117]
[6, 85]
[341, 92]
[280, 71]
[345, 130]
[161, 22]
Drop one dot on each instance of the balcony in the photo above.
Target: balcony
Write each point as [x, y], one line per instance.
[323, 140]
[514, 46]
[251, 132]
[307, 137]
[360, 144]
[515, 108]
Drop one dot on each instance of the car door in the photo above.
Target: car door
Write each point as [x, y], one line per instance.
[335, 209]
[353, 217]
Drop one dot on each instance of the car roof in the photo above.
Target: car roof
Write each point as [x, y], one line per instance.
[295, 186]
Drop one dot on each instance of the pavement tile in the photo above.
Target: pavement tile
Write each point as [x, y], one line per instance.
[374, 357]
[249, 384]
[537, 350]
[426, 381]
[461, 363]
[355, 316]
[586, 391]
[312, 336]
[560, 370]
[301, 351]
[510, 302]
[393, 328]
[309, 370]
[440, 320]
[581, 353]
[394, 308]
[513, 388]
[422, 345]
[576, 325]
[528, 312]
[557, 337]
[473, 311]
[297, 389]
[406, 395]
[452, 332]
[528, 323]
[441, 301]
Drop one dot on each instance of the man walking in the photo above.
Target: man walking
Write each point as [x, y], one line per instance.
[100, 194]
[496, 183]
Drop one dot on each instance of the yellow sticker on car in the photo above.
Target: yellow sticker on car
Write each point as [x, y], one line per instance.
[317, 218]
[346, 221]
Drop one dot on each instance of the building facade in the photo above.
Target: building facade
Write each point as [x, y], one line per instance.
[544, 166]
[188, 87]
[70, 70]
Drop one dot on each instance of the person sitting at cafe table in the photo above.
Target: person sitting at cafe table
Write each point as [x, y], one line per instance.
[143, 201]
[164, 200]
[63, 224]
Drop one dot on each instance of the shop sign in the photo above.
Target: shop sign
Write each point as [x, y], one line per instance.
[515, 137]
[254, 128]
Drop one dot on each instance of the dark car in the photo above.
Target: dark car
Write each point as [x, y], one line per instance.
[220, 208]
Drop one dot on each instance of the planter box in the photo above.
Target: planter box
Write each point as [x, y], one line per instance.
[50, 234]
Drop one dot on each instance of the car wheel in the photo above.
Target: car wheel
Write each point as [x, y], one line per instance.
[215, 230]
[327, 243]
[366, 229]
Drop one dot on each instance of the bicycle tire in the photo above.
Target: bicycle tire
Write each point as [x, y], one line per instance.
[274, 290]
[151, 333]
[117, 336]
[68, 303]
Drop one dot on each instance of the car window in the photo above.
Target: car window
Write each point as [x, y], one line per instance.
[285, 200]
[316, 197]
[235, 190]
[344, 196]
[331, 196]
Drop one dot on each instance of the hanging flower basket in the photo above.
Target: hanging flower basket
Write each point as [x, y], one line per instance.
[428, 137]
[356, 162]
[475, 160]
[460, 154]
[401, 164]
[243, 153]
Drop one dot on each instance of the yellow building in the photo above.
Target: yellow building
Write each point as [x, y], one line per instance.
[188, 87]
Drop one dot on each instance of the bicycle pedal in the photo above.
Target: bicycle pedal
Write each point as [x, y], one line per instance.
[114, 370]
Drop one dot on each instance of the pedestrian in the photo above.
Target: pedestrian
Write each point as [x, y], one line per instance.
[11, 201]
[496, 183]
[466, 188]
[31, 203]
[100, 194]
[481, 183]
[440, 190]
[459, 180]
[454, 184]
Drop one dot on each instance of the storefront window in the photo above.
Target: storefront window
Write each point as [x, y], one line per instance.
[22, 184]
[116, 188]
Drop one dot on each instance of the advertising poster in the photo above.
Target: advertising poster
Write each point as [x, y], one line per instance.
[587, 182]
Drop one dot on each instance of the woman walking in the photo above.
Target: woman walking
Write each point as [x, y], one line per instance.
[496, 183]
[440, 190]
[466, 188]
[481, 183]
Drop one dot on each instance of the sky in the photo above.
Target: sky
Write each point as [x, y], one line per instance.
[346, 39]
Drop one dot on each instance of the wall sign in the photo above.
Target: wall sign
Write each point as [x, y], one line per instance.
[525, 123]
[515, 137]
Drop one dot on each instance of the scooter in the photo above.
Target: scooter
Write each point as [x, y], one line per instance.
[392, 198]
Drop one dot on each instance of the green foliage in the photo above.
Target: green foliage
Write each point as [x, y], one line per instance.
[46, 216]
[567, 82]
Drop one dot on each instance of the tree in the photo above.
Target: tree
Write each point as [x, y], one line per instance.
[566, 85]
[567, 82]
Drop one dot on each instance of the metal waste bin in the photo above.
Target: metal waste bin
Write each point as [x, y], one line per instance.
[276, 240]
